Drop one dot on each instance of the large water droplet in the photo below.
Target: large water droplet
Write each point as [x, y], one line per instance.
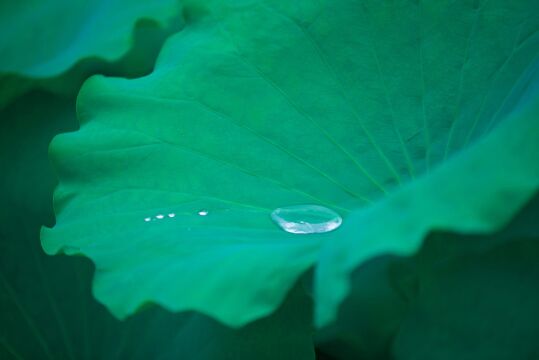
[306, 219]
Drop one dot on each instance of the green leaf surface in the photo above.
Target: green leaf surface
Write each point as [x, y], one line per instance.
[43, 39]
[370, 316]
[262, 104]
[57, 44]
[473, 306]
[47, 310]
[478, 191]
[459, 297]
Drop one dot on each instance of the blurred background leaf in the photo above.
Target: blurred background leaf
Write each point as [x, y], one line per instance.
[459, 297]
[55, 45]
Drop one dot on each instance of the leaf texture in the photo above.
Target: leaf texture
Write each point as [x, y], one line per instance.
[381, 111]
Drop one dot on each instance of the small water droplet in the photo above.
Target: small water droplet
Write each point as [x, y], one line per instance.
[306, 219]
[203, 212]
[160, 216]
[147, 219]
[171, 215]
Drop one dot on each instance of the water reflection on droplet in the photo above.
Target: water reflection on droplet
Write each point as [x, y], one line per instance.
[306, 219]
[171, 215]
[203, 212]
[160, 216]
[148, 219]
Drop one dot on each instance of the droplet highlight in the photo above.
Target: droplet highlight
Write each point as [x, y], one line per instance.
[159, 217]
[306, 219]
[203, 212]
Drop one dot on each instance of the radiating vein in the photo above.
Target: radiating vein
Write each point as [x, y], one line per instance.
[229, 118]
[386, 94]
[515, 48]
[426, 131]
[301, 112]
[240, 168]
[183, 147]
[508, 96]
[461, 78]
[289, 153]
[331, 69]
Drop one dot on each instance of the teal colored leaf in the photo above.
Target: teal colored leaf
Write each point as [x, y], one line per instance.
[57, 44]
[497, 177]
[370, 316]
[44, 39]
[381, 111]
[478, 304]
[446, 301]
[47, 310]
